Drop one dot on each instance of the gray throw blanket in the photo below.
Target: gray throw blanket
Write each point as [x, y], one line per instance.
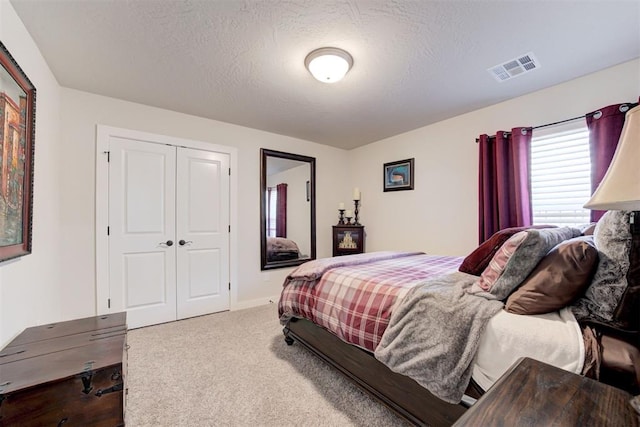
[434, 333]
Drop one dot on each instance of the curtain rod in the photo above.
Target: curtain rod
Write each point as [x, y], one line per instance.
[584, 116]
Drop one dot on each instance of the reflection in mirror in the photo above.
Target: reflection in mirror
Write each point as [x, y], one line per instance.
[287, 209]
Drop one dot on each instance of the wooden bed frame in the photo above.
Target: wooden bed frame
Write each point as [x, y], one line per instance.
[398, 392]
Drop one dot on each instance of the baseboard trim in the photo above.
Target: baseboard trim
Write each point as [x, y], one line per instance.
[241, 305]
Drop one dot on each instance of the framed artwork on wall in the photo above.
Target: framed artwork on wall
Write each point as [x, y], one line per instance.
[17, 133]
[398, 176]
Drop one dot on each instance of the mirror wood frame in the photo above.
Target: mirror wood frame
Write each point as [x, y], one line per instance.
[264, 155]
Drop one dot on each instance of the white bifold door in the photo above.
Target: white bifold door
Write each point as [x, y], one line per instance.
[168, 231]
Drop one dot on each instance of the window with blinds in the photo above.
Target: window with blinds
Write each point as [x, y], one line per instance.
[272, 201]
[561, 176]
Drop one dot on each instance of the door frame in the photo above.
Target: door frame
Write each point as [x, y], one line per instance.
[103, 133]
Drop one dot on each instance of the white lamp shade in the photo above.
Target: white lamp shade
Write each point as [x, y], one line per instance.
[620, 187]
[328, 64]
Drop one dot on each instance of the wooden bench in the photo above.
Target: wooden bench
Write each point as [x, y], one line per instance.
[65, 374]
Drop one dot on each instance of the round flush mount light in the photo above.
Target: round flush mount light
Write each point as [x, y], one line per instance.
[328, 64]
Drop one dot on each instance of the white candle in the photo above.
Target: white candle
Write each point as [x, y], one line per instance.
[356, 193]
[348, 214]
[340, 205]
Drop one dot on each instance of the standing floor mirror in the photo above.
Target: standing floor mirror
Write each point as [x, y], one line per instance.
[287, 209]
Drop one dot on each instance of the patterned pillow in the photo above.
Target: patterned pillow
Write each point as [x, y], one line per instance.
[613, 240]
[497, 264]
[479, 259]
[506, 271]
[562, 276]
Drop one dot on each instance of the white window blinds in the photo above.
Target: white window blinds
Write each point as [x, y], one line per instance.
[272, 201]
[561, 176]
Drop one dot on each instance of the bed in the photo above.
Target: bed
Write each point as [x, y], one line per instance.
[427, 334]
[281, 249]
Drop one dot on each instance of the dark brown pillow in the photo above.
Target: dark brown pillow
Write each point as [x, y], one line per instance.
[588, 229]
[478, 260]
[562, 275]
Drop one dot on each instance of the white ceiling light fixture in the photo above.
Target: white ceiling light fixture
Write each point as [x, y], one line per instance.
[328, 64]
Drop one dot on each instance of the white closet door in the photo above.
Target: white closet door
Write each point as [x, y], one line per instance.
[142, 249]
[202, 233]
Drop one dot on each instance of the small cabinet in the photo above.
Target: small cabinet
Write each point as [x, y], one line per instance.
[348, 239]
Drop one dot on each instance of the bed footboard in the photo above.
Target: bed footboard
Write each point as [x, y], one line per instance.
[398, 392]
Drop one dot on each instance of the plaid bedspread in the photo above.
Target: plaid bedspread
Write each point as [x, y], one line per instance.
[355, 302]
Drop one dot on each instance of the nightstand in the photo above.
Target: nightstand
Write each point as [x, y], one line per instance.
[348, 239]
[532, 393]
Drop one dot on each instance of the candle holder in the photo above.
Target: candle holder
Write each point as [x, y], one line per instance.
[355, 220]
[348, 220]
[341, 220]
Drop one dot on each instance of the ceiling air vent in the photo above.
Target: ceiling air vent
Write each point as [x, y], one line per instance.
[515, 67]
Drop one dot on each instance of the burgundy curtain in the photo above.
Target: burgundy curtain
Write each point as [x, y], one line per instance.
[605, 127]
[281, 210]
[504, 185]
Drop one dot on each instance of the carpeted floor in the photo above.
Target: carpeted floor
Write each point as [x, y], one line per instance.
[234, 369]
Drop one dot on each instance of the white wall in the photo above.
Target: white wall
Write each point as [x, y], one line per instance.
[81, 112]
[57, 281]
[31, 286]
[440, 215]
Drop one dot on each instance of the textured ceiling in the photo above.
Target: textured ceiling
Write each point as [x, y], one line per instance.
[242, 62]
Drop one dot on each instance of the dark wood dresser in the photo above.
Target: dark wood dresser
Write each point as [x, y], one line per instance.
[533, 394]
[66, 374]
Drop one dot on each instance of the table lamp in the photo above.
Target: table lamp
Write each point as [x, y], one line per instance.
[620, 190]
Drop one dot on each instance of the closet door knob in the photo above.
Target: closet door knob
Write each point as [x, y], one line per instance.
[184, 242]
[167, 243]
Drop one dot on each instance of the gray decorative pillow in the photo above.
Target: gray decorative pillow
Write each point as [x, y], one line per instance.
[613, 240]
[506, 272]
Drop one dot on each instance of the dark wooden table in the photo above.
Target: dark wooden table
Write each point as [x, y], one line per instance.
[533, 393]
